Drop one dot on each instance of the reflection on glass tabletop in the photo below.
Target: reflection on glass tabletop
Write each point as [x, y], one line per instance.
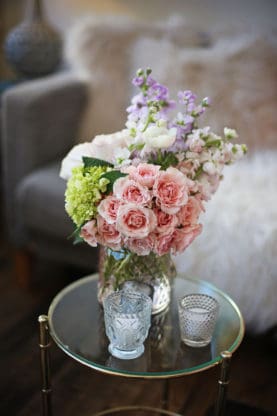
[77, 326]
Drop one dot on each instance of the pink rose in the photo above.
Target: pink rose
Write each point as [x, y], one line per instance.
[108, 234]
[163, 244]
[183, 237]
[130, 191]
[141, 246]
[108, 208]
[190, 212]
[171, 190]
[88, 233]
[145, 174]
[166, 223]
[134, 221]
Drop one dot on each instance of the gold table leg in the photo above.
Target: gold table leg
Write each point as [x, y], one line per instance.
[223, 383]
[44, 344]
[165, 396]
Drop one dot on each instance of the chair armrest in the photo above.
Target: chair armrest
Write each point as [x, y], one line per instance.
[40, 121]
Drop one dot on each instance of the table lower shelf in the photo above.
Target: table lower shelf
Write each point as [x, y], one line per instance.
[123, 409]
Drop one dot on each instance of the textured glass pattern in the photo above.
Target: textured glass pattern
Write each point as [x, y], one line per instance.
[197, 317]
[121, 269]
[127, 321]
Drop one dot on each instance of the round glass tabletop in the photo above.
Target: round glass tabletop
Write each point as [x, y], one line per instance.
[76, 324]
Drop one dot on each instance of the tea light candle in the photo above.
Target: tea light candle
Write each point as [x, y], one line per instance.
[197, 317]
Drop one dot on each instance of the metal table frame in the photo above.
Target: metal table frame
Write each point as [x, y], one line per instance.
[46, 390]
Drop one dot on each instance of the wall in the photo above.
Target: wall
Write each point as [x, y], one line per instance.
[203, 13]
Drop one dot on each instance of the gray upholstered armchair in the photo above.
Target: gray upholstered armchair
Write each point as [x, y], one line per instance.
[40, 121]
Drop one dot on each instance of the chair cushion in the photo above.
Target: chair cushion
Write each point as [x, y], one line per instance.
[40, 198]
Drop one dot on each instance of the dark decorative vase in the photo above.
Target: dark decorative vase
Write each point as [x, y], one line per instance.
[33, 47]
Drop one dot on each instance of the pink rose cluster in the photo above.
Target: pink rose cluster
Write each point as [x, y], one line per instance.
[150, 210]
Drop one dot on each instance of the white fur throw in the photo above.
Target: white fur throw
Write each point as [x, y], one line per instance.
[237, 250]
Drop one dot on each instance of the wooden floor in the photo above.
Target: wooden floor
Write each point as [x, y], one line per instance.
[78, 390]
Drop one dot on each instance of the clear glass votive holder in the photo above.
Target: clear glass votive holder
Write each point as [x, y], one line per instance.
[127, 321]
[197, 318]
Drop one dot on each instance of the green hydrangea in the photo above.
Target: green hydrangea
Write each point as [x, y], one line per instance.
[84, 192]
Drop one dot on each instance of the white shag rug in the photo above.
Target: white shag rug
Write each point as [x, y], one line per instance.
[237, 250]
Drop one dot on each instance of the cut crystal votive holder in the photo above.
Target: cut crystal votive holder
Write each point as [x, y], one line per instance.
[197, 318]
[127, 321]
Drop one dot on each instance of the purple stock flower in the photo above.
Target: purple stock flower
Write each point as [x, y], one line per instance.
[190, 107]
[138, 81]
[186, 97]
[160, 92]
[138, 102]
[198, 110]
[178, 146]
[150, 81]
[183, 123]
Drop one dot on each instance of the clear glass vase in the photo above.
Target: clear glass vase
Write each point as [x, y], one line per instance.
[150, 274]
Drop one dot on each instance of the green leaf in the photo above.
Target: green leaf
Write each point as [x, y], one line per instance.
[138, 146]
[198, 172]
[78, 240]
[91, 162]
[164, 159]
[169, 160]
[76, 235]
[213, 143]
[112, 176]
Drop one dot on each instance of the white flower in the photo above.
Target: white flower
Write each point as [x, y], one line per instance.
[217, 156]
[208, 185]
[104, 146]
[237, 152]
[194, 141]
[192, 155]
[230, 133]
[209, 168]
[205, 155]
[122, 155]
[130, 124]
[227, 153]
[159, 136]
[74, 158]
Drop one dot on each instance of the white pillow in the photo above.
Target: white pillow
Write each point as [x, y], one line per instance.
[238, 73]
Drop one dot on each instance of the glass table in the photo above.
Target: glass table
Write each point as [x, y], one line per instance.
[75, 322]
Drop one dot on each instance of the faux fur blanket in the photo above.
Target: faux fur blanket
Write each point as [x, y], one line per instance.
[237, 250]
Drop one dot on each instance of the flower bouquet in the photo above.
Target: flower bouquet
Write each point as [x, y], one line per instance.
[139, 192]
